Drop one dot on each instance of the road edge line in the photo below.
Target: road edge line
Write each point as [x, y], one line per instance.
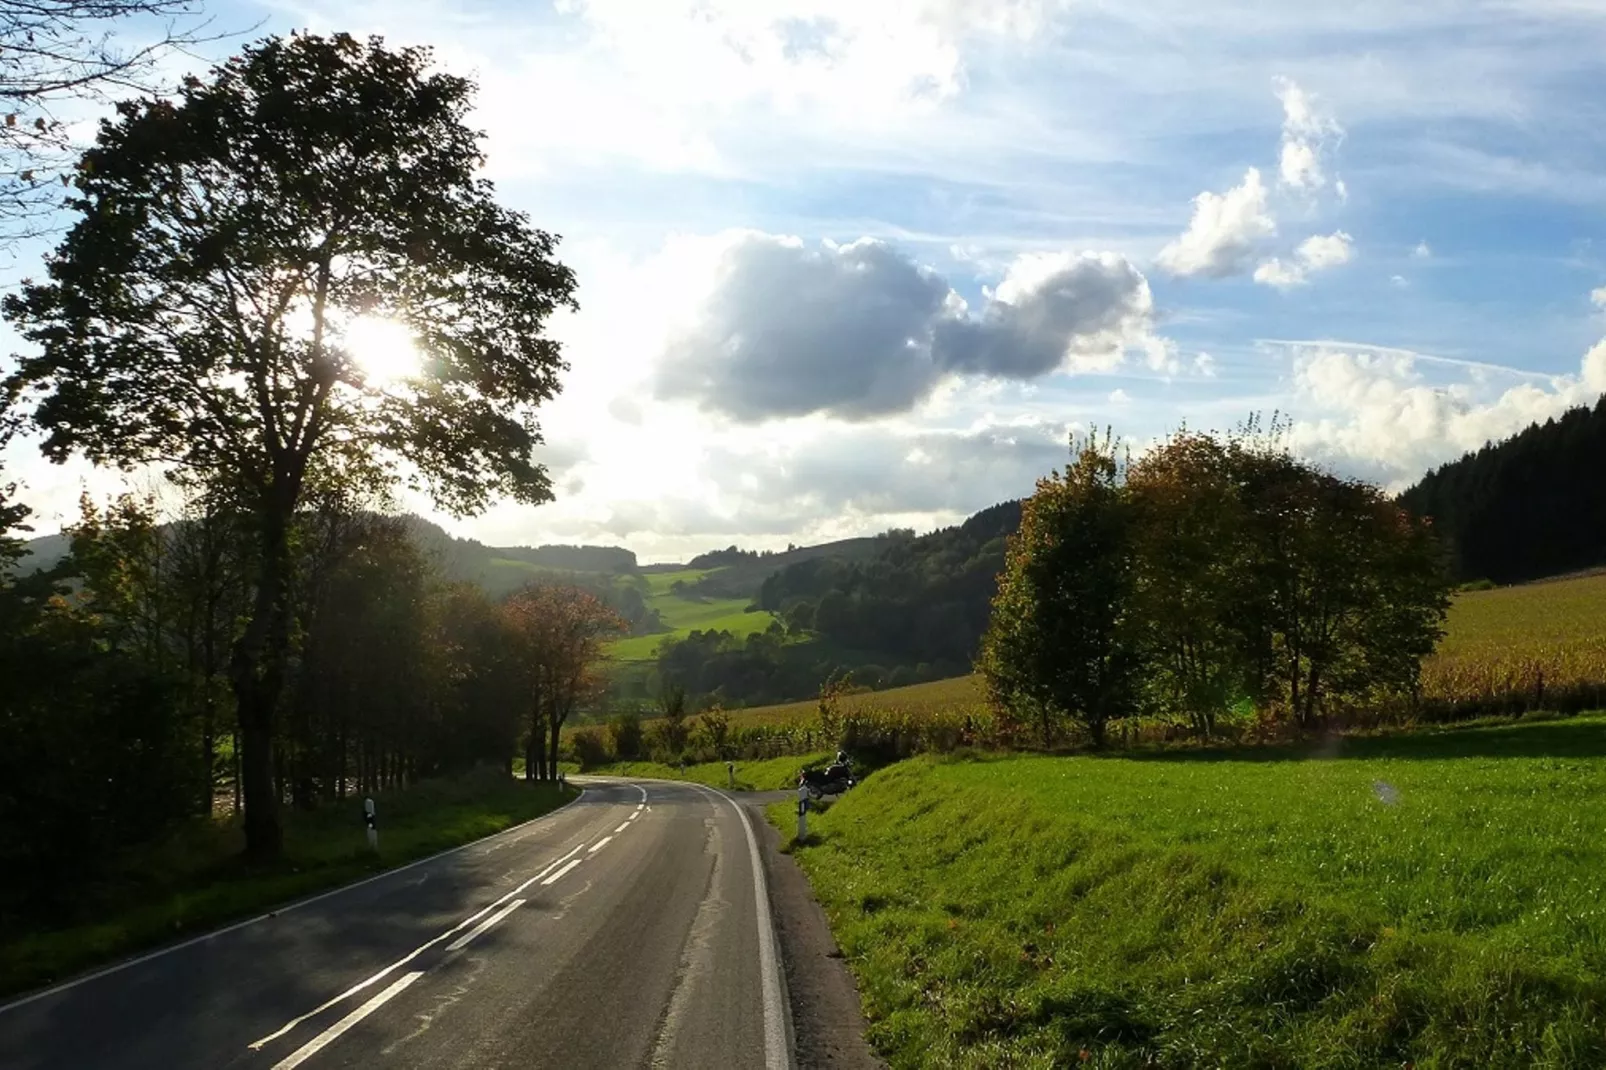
[778, 1042]
[295, 904]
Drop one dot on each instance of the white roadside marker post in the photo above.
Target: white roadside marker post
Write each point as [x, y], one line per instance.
[370, 819]
[802, 813]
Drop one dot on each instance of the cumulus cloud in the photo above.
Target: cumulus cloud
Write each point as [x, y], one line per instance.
[1223, 234]
[1597, 297]
[1316, 253]
[1422, 250]
[859, 331]
[1377, 412]
[1307, 132]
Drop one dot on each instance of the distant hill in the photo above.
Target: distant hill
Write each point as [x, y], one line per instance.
[1529, 507]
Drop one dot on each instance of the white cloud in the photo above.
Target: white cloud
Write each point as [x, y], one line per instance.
[849, 56]
[1399, 281]
[1422, 251]
[1597, 297]
[861, 331]
[1119, 397]
[1316, 253]
[1281, 274]
[1307, 132]
[1376, 412]
[1224, 231]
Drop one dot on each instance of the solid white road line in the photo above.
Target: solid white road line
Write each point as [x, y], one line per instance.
[322, 1040]
[276, 911]
[461, 941]
[257, 1045]
[777, 1051]
[559, 874]
[599, 845]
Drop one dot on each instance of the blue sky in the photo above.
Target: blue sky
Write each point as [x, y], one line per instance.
[847, 264]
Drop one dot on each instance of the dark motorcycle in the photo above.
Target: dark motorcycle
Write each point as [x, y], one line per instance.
[834, 779]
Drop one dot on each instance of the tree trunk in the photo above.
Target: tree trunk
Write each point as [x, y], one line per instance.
[257, 669]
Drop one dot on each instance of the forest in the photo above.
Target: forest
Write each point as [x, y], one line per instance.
[1531, 506]
[117, 721]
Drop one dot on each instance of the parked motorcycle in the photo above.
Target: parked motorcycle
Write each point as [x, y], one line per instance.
[834, 779]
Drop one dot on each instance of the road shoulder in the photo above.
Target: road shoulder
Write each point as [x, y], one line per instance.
[827, 1023]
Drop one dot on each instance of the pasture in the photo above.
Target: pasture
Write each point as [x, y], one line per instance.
[684, 613]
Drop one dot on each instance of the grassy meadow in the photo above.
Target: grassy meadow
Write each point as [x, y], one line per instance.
[767, 774]
[684, 613]
[1436, 899]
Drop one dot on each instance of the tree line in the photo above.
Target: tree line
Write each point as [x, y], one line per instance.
[226, 242]
[1529, 507]
[118, 720]
[1210, 574]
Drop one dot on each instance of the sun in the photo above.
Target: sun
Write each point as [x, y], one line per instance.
[382, 348]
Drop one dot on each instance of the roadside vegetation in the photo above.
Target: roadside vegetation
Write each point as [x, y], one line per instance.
[196, 877]
[1428, 899]
[767, 774]
[288, 288]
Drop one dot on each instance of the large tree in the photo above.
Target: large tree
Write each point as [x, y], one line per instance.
[1060, 643]
[230, 243]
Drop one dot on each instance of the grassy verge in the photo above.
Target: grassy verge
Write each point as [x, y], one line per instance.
[770, 774]
[196, 880]
[1431, 900]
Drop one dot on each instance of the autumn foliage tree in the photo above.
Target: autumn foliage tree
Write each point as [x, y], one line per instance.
[198, 313]
[559, 631]
[1208, 573]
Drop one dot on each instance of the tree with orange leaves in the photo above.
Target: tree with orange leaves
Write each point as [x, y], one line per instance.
[559, 633]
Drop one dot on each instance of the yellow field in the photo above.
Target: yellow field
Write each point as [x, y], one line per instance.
[1537, 644]
[1505, 650]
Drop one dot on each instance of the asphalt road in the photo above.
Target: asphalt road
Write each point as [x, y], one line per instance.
[629, 929]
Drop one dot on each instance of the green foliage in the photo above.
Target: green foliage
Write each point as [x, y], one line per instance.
[1060, 643]
[197, 313]
[591, 748]
[627, 736]
[769, 774]
[1398, 901]
[1528, 507]
[1216, 572]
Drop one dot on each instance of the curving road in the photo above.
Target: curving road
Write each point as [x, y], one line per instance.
[629, 929]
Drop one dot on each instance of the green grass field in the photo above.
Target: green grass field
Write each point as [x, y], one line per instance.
[1428, 900]
[685, 613]
[769, 774]
[197, 879]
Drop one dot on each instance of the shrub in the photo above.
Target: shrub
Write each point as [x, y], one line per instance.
[590, 748]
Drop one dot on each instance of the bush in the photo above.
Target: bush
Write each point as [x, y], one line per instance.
[590, 748]
[627, 736]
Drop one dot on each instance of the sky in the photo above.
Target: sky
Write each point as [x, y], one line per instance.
[847, 265]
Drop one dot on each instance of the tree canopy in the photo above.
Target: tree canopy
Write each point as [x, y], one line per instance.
[1209, 574]
[202, 311]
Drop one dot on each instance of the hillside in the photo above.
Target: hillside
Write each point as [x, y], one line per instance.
[1531, 506]
[1426, 899]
